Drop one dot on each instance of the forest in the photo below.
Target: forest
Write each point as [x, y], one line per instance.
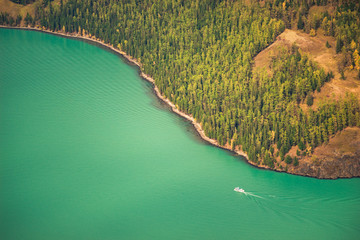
[200, 54]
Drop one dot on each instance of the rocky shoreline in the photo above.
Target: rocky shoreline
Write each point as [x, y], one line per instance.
[304, 169]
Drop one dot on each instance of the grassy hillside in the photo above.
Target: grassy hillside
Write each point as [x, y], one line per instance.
[14, 10]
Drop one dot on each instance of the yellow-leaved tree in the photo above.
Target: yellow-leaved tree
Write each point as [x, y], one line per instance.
[356, 57]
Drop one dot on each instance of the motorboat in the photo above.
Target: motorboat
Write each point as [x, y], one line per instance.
[240, 190]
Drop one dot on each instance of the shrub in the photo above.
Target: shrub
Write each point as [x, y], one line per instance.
[327, 44]
[309, 100]
[296, 161]
[342, 75]
[312, 33]
[282, 156]
[302, 145]
[288, 159]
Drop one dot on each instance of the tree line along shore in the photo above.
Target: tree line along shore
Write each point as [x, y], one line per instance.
[200, 55]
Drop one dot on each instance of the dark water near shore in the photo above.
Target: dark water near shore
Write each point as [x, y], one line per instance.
[88, 152]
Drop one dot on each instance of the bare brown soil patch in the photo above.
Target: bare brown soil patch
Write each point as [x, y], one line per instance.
[340, 144]
[315, 48]
[344, 143]
[339, 158]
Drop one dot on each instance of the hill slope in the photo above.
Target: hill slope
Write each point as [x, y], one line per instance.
[340, 157]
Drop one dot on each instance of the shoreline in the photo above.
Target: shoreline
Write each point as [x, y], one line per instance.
[148, 78]
[132, 61]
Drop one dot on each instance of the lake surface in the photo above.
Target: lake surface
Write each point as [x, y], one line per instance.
[88, 152]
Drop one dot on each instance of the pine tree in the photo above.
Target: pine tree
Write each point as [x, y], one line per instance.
[300, 23]
[339, 45]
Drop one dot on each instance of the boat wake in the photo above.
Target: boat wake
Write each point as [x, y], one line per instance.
[248, 193]
[240, 190]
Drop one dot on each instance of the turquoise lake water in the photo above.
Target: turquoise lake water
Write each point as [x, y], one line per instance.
[88, 152]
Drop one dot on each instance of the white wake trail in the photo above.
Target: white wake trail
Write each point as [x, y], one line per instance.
[248, 193]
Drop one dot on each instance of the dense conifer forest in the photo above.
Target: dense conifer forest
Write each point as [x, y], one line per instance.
[200, 54]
